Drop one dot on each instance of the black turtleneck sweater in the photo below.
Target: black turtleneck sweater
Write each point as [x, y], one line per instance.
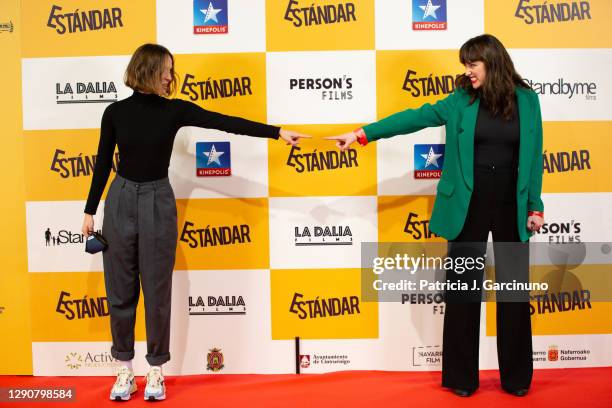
[143, 127]
[496, 140]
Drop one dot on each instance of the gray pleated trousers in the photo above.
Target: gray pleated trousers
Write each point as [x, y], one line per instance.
[140, 226]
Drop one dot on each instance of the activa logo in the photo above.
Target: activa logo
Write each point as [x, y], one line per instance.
[216, 305]
[76, 166]
[428, 85]
[214, 236]
[85, 92]
[7, 27]
[561, 232]
[79, 21]
[90, 360]
[332, 89]
[63, 237]
[418, 229]
[561, 162]
[552, 12]
[210, 17]
[321, 161]
[560, 302]
[428, 161]
[215, 88]
[562, 87]
[319, 14]
[81, 308]
[323, 235]
[318, 308]
[429, 15]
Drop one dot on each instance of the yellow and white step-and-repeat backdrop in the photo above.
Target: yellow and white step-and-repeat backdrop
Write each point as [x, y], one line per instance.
[248, 278]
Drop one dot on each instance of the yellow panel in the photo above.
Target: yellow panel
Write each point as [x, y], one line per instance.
[576, 157]
[316, 167]
[59, 163]
[66, 28]
[408, 79]
[405, 219]
[300, 25]
[234, 84]
[550, 23]
[72, 306]
[14, 291]
[227, 233]
[321, 304]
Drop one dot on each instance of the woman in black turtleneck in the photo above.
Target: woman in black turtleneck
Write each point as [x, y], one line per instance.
[491, 182]
[140, 208]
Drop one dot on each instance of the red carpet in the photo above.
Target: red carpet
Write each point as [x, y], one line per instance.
[586, 387]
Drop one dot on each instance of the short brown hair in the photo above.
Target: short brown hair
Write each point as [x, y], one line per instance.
[145, 68]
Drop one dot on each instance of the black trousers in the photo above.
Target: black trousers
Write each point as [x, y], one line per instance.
[140, 226]
[492, 208]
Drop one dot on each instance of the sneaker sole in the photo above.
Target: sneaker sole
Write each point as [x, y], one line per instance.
[126, 398]
[153, 398]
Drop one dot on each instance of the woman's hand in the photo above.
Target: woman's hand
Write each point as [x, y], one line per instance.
[292, 138]
[344, 141]
[88, 225]
[534, 223]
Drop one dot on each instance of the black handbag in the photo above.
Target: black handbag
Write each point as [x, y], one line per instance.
[95, 243]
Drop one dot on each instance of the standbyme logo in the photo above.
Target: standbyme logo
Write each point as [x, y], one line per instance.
[210, 17]
[429, 15]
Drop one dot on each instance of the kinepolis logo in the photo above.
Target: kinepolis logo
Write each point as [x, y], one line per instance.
[429, 84]
[426, 356]
[552, 12]
[216, 305]
[76, 166]
[331, 88]
[63, 237]
[321, 161]
[436, 300]
[418, 229]
[565, 88]
[210, 17]
[316, 14]
[7, 27]
[323, 235]
[213, 236]
[429, 15]
[561, 162]
[215, 88]
[213, 159]
[428, 161]
[562, 232]
[82, 308]
[318, 308]
[85, 92]
[75, 361]
[560, 302]
[80, 21]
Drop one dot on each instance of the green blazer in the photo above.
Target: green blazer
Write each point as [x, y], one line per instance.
[457, 180]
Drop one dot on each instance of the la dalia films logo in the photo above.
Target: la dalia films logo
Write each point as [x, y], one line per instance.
[428, 15]
[213, 159]
[210, 17]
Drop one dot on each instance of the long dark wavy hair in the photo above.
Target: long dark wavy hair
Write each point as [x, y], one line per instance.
[497, 90]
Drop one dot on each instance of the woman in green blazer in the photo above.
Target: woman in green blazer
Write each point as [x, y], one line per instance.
[491, 181]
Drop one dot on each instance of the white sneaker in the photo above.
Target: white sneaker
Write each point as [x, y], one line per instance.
[124, 386]
[155, 389]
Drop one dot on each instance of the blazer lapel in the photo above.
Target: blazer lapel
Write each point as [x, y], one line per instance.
[525, 126]
[466, 142]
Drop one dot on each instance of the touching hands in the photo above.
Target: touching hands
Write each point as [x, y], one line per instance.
[292, 138]
[344, 141]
